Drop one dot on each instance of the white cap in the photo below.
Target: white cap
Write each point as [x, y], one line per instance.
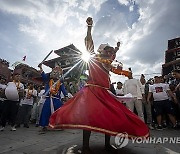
[102, 46]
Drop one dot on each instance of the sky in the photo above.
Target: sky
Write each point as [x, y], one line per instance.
[33, 28]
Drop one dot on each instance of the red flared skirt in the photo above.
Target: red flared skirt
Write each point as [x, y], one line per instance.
[95, 109]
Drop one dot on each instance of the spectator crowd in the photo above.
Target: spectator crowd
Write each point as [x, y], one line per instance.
[156, 101]
[22, 103]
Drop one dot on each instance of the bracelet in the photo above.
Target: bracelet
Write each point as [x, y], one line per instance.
[89, 25]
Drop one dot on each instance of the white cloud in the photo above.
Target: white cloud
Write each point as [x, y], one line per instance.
[144, 45]
[33, 31]
[86, 4]
[143, 27]
[125, 2]
[131, 8]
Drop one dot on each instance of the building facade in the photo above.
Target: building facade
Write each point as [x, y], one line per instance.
[69, 58]
[5, 72]
[28, 74]
[172, 56]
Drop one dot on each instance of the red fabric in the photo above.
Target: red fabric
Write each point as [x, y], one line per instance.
[93, 108]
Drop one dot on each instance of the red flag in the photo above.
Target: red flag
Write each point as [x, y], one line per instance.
[24, 58]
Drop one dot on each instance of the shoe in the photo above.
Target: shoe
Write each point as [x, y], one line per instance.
[2, 129]
[164, 125]
[13, 128]
[155, 125]
[151, 127]
[18, 126]
[37, 125]
[26, 125]
[159, 127]
[175, 127]
[43, 129]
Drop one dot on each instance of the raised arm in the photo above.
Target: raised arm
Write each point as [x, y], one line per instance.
[117, 47]
[119, 71]
[43, 75]
[40, 67]
[88, 39]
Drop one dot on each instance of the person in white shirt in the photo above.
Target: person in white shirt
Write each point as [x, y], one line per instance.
[134, 87]
[119, 90]
[160, 92]
[146, 105]
[34, 114]
[26, 106]
[40, 103]
[14, 92]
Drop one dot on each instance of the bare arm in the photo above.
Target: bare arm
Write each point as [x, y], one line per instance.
[118, 45]
[119, 71]
[40, 66]
[172, 96]
[177, 87]
[149, 96]
[88, 39]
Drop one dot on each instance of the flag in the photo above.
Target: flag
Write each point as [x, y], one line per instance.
[24, 58]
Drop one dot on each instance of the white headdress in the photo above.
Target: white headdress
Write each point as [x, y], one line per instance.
[102, 46]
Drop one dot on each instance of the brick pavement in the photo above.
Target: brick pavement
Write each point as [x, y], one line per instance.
[30, 141]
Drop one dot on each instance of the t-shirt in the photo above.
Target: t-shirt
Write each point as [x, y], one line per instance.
[159, 91]
[29, 99]
[42, 97]
[11, 91]
[134, 87]
[119, 92]
[41, 93]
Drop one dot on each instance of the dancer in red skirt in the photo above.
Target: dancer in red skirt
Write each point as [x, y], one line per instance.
[93, 108]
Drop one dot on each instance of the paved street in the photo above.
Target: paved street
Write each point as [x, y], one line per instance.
[30, 141]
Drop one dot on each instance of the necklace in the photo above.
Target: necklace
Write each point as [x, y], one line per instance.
[29, 93]
[17, 84]
[106, 63]
[54, 87]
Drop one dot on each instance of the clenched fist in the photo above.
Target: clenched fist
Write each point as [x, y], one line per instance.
[89, 21]
[118, 44]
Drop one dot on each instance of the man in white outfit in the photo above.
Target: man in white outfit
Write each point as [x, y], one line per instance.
[134, 87]
[14, 92]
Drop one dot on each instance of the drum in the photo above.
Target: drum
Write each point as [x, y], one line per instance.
[11, 92]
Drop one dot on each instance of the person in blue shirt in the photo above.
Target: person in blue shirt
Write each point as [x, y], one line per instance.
[53, 89]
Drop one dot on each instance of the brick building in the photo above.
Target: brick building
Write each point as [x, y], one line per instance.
[172, 56]
[28, 74]
[5, 72]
